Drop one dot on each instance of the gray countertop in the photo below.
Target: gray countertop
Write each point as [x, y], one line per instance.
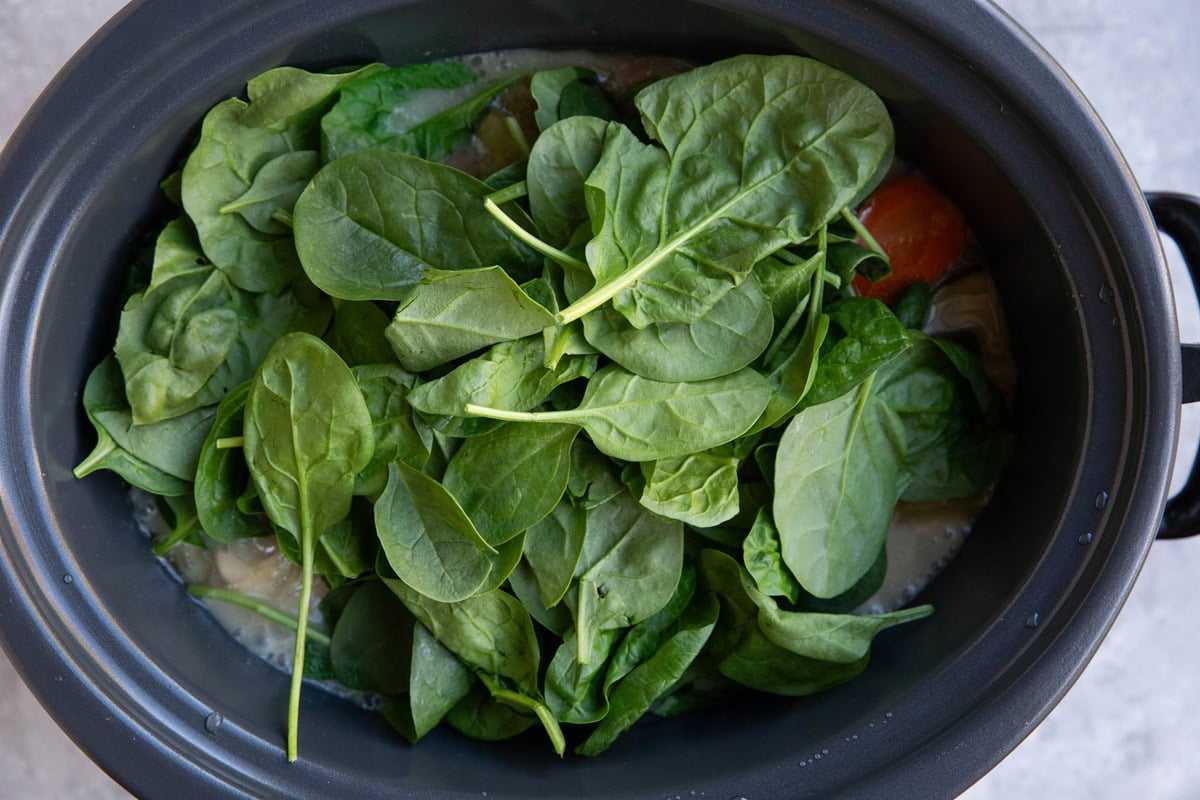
[1129, 726]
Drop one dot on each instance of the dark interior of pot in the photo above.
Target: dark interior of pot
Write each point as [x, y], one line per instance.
[1073, 301]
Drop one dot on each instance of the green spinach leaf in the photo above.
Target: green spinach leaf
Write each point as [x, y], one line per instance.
[237, 140]
[637, 419]
[371, 224]
[511, 478]
[450, 314]
[837, 479]
[423, 110]
[307, 434]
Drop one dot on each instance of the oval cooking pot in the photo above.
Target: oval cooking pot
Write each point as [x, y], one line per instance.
[132, 668]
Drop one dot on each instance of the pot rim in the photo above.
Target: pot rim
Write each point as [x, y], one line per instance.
[52, 630]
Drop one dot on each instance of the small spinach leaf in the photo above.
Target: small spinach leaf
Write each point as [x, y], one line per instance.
[422, 110]
[700, 489]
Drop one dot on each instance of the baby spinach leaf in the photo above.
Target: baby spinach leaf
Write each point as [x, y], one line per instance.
[954, 420]
[868, 335]
[700, 489]
[556, 619]
[370, 224]
[357, 333]
[567, 92]
[307, 433]
[678, 226]
[559, 163]
[437, 682]
[744, 654]
[236, 140]
[192, 336]
[491, 632]
[761, 553]
[847, 259]
[529, 704]
[786, 284]
[552, 549]
[275, 189]
[653, 678]
[837, 478]
[222, 477]
[511, 478]
[480, 716]
[637, 419]
[574, 689]
[592, 481]
[510, 376]
[350, 547]
[428, 539]
[160, 457]
[450, 314]
[627, 570]
[911, 306]
[423, 110]
[373, 641]
[643, 639]
[398, 435]
[793, 378]
[729, 336]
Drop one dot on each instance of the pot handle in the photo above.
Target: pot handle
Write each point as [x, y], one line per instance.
[1178, 216]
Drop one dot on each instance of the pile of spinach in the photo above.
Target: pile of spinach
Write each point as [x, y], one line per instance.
[602, 434]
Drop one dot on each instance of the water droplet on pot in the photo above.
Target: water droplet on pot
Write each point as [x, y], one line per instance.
[67, 579]
[212, 723]
[1106, 294]
[1085, 538]
[1101, 500]
[1032, 620]
[888, 715]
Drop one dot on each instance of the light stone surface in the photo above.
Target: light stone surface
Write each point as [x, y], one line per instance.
[1129, 726]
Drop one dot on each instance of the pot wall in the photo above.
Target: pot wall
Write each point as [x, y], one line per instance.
[124, 621]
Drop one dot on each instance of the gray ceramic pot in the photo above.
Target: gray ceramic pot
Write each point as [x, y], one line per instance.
[133, 669]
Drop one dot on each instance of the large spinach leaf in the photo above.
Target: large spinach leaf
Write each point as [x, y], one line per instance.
[837, 478]
[370, 224]
[429, 540]
[307, 434]
[637, 419]
[765, 151]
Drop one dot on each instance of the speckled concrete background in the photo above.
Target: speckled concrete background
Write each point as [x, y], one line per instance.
[1129, 726]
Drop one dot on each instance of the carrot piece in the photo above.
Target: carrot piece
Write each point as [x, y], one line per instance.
[921, 231]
